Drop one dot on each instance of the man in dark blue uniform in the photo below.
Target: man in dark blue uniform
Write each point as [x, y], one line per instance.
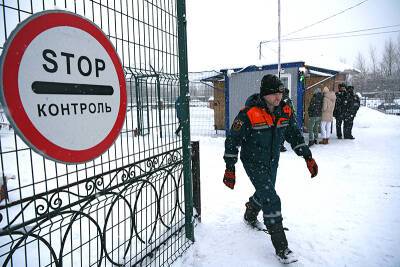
[259, 129]
[352, 104]
[287, 100]
[179, 111]
[339, 110]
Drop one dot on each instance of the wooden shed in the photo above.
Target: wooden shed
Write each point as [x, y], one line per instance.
[218, 102]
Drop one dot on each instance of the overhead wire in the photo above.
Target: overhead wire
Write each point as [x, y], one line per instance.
[328, 36]
[343, 34]
[317, 22]
[320, 21]
[336, 37]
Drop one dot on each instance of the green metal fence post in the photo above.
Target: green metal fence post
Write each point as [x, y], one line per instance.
[184, 91]
[131, 197]
[196, 178]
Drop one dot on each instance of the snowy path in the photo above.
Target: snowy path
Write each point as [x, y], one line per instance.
[349, 215]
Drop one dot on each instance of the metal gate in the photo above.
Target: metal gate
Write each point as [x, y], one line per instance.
[133, 205]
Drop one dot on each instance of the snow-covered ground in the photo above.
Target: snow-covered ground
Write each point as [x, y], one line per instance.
[349, 215]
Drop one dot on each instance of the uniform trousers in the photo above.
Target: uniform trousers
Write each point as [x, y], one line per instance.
[263, 178]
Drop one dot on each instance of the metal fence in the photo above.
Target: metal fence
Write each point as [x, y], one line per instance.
[202, 113]
[127, 207]
[381, 104]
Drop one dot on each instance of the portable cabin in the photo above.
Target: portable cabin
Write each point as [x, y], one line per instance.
[233, 86]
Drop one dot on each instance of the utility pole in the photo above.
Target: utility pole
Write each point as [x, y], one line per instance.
[279, 39]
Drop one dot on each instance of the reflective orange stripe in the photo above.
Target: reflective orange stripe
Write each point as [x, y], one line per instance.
[287, 110]
[259, 116]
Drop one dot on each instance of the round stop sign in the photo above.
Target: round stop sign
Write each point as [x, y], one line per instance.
[63, 86]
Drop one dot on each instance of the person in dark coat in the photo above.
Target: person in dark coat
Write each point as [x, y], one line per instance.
[314, 116]
[352, 104]
[339, 111]
[179, 111]
[287, 100]
[259, 129]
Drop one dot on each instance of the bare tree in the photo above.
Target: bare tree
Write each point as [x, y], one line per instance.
[361, 65]
[374, 61]
[388, 58]
[397, 57]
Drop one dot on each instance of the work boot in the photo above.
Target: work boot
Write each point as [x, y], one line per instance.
[286, 256]
[279, 241]
[250, 216]
[324, 141]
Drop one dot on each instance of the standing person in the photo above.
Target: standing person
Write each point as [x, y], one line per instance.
[287, 100]
[351, 107]
[258, 129]
[328, 105]
[339, 111]
[178, 111]
[314, 116]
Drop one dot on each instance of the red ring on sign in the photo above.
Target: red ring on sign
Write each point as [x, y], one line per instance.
[15, 52]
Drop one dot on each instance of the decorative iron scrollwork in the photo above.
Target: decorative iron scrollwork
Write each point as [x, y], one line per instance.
[135, 192]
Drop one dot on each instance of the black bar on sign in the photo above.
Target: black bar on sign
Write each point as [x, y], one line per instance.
[55, 88]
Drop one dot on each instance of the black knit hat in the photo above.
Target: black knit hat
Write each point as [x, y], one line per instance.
[270, 84]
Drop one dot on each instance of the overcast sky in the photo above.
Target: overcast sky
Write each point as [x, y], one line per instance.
[226, 33]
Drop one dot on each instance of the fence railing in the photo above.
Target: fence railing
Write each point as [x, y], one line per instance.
[127, 207]
[381, 104]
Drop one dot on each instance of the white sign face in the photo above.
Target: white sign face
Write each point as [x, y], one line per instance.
[63, 86]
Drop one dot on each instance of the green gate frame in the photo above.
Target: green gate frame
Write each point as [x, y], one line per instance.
[114, 204]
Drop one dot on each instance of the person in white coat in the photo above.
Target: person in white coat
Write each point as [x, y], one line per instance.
[328, 105]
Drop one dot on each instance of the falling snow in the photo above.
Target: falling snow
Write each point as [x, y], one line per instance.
[346, 216]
